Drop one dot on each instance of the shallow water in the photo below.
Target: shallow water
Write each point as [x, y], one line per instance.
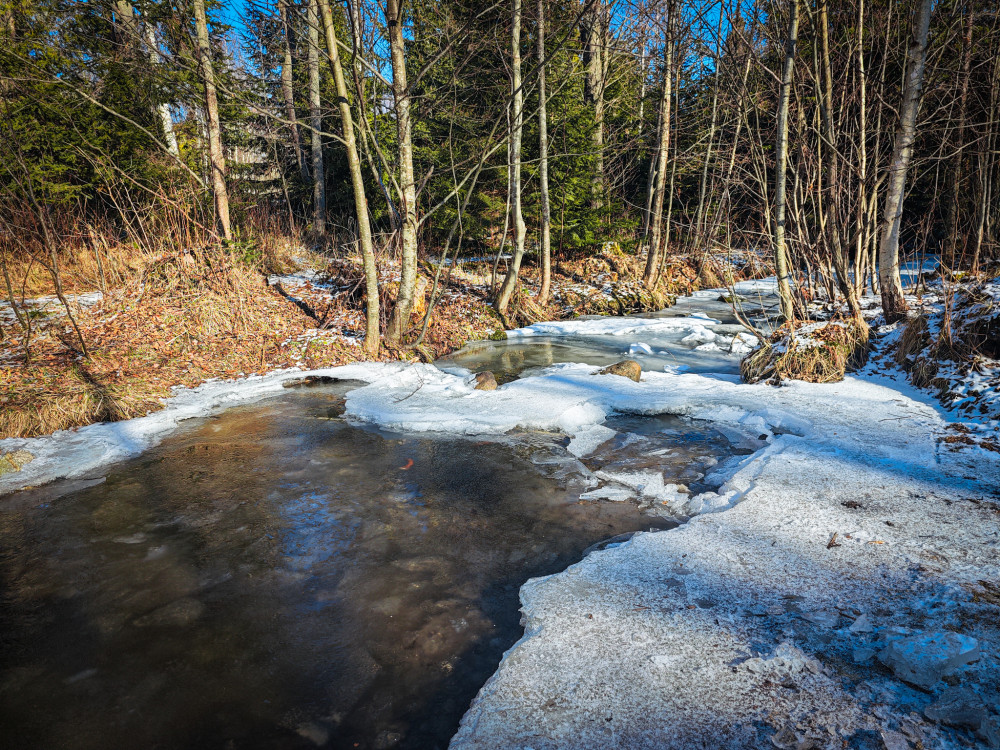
[275, 577]
[663, 349]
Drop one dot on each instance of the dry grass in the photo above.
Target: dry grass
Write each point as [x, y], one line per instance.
[177, 321]
[830, 351]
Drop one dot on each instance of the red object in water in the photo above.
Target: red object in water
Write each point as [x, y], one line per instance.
[409, 463]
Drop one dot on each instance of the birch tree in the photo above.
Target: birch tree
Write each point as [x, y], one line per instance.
[400, 318]
[894, 306]
[658, 180]
[517, 126]
[543, 163]
[781, 264]
[358, 185]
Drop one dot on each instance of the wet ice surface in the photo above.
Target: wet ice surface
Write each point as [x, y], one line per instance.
[275, 577]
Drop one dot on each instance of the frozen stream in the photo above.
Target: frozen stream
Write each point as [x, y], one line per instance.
[279, 576]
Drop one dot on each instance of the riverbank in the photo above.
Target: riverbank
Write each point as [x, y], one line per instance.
[169, 321]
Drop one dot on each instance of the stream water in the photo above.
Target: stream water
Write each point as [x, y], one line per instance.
[277, 577]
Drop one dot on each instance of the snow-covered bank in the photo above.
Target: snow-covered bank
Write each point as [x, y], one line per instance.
[69, 454]
[764, 624]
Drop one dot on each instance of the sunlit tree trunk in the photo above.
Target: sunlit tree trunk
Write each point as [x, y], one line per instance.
[217, 158]
[832, 158]
[543, 162]
[357, 183]
[517, 126]
[593, 37]
[659, 181]
[162, 109]
[893, 304]
[781, 264]
[399, 321]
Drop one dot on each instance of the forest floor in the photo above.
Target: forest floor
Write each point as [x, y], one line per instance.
[179, 321]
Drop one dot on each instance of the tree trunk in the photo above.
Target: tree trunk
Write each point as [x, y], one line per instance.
[658, 186]
[592, 31]
[316, 123]
[162, 109]
[837, 251]
[216, 156]
[699, 231]
[543, 162]
[951, 251]
[287, 91]
[372, 342]
[781, 156]
[510, 282]
[893, 304]
[399, 321]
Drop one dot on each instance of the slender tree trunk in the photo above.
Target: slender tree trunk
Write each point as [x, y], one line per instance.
[951, 252]
[162, 109]
[860, 253]
[217, 157]
[987, 160]
[372, 342]
[128, 32]
[543, 162]
[316, 122]
[287, 91]
[703, 185]
[510, 282]
[592, 37]
[399, 321]
[837, 250]
[127, 27]
[893, 304]
[642, 85]
[781, 264]
[658, 187]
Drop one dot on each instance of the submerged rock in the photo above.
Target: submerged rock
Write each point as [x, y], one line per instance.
[958, 707]
[485, 381]
[627, 368]
[925, 658]
[12, 462]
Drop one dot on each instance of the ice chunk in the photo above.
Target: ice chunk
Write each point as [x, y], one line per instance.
[640, 348]
[989, 731]
[894, 740]
[615, 494]
[957, 707]
[699, 335]
[925, 658]
[586, 441]
[826, 618]
[862, 625]
[863, 654]
[785, 659]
